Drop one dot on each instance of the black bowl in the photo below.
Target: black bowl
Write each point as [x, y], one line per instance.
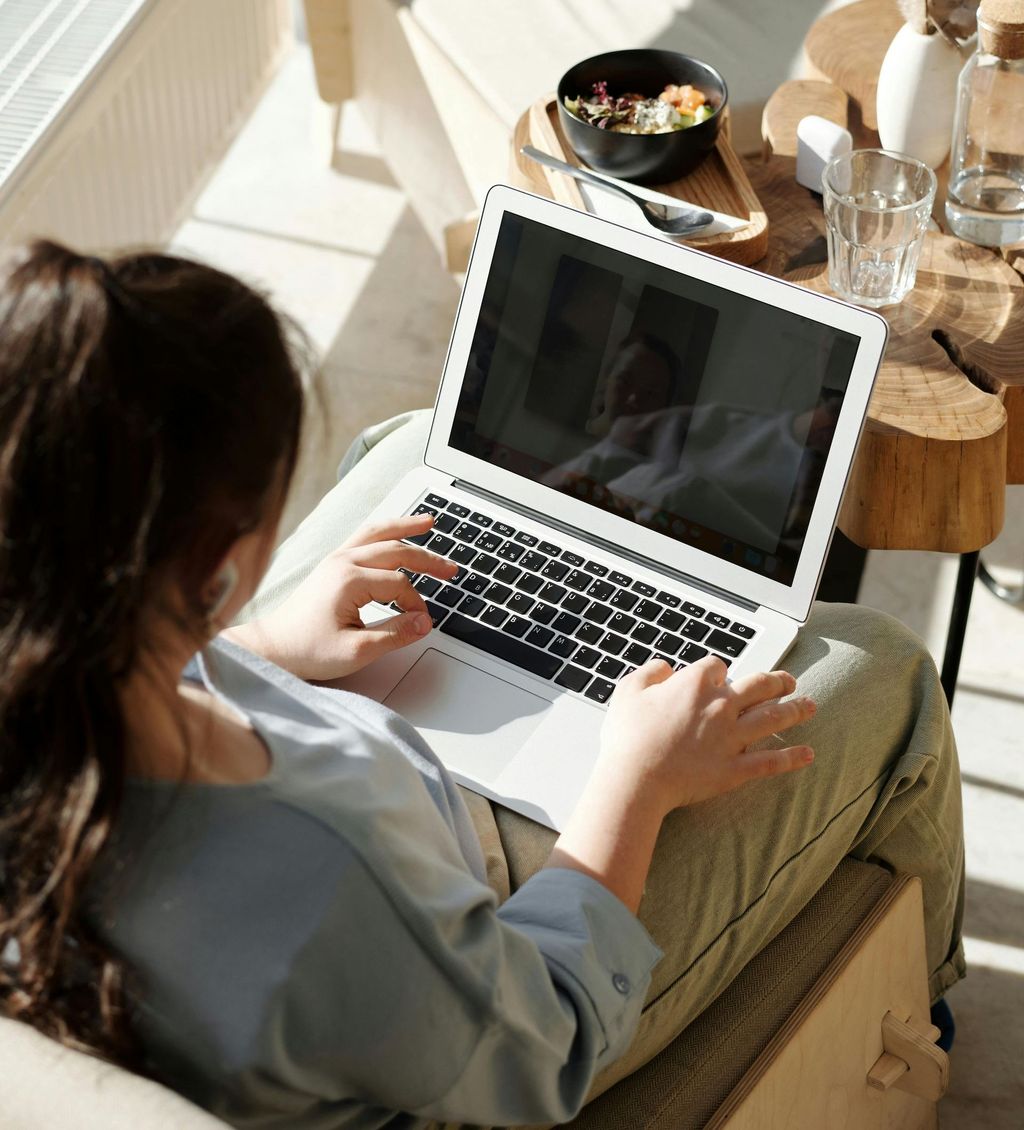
[646, 158]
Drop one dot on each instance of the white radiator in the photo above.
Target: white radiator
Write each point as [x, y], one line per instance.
[114, 112]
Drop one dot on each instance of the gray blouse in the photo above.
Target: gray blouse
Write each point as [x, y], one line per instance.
[319, 949]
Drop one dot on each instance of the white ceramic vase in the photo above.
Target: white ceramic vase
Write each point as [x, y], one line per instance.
[917, 95]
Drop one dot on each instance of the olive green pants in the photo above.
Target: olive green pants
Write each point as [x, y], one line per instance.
[729, 874]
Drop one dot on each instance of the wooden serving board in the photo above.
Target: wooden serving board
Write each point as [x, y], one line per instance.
[719, 182]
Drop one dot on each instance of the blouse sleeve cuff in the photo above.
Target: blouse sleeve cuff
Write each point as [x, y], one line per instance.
[597, 950]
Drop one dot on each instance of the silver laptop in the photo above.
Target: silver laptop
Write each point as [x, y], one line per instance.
[637, 449]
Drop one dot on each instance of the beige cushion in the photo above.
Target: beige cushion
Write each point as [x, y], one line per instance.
[47, 1087]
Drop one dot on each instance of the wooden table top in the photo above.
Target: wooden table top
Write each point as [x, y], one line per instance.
[945, 427]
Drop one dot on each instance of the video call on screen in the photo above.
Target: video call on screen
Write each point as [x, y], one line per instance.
[680, 406]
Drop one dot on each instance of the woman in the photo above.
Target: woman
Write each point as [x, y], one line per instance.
[270, 894]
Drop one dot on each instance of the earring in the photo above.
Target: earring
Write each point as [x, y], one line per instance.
[227, 580]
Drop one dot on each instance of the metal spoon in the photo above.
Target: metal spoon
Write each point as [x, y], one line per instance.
[683, 219]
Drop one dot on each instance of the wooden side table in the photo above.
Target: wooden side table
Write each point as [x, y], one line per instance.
[945, 428]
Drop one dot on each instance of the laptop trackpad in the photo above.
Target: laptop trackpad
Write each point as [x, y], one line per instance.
[476, 722]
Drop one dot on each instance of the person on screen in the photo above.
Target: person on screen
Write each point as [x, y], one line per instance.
[643, 378]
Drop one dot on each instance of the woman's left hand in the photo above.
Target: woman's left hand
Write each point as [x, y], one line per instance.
[317, 632]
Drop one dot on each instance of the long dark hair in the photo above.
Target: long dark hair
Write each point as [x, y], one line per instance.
[150, 410]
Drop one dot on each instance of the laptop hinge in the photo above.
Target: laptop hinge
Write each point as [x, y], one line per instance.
[609, 547]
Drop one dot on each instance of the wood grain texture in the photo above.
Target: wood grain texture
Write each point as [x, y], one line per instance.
[847, 46]
[807, 1078]
[932, 465]
[719, 182]
[793, 101]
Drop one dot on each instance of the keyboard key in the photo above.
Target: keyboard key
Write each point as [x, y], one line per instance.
[565, 623]
[457, 510]
[437, 612]
[620, 579]
[462, 553]
[533, 561]
[501, 646]
[621, 623]
[419, 539]
[742, 630]
[529, 582]
[549, 548]
[445, 523]
[597, 613]
[643, 589]
[422, 509]
[596, 569]
[670, 620]
[572, 678]
[610, 668]
[691, 653]
[589, 633]
[612, 643]
[555, 570]
[507, 574]
[648, 610]
[480, 519]
[427, 586]
[501, 528]
[624, 600]
[575, 602]
[510, 551]
[498, 594]
[543, 613]
[574, 559]
[408, 573]
[724, 642]
[552, 593]
[600, 590]
[516, 626]
[636, 654]
[669, 600]
[449, 595]
[726, 660]
[488, 541]
[716, 620]
[587, 657]
[540, 637]
[460, 575]
[526, 539]
[466, 531]
[645, 633]
[472, 606]
[520, 603]
[693, 609]
[578, 581]
[439, 544]
[494, 616]
[694, 630]
[436, 500]
[600, 690]
[668, 643]
[485, 564]
[563, 646]
[475, 583]
[667, 659]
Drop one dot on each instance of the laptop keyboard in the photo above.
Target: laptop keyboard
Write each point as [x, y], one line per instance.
[556, 614]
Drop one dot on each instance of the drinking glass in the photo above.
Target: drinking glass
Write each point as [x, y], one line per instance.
[877, 207]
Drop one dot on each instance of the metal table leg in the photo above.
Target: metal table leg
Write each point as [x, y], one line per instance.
[965, 578]
[1012, 594]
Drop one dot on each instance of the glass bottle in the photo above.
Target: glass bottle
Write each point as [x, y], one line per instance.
[985, 203]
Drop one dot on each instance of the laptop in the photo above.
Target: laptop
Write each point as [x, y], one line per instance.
[637, 449]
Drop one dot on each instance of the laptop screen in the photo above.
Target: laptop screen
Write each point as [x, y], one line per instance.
[682, 406]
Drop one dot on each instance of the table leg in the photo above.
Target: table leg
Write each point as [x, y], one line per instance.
[965, 578]
[1012, 594]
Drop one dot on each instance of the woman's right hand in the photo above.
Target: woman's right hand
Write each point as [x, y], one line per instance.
[682, 737]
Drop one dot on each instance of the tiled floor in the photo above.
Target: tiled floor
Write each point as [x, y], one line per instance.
[341, 251]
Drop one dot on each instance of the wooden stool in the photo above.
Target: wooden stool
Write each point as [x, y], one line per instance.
[828, 1027]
